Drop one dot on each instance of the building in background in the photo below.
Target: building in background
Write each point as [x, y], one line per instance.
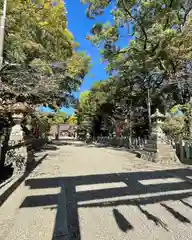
[67, 130]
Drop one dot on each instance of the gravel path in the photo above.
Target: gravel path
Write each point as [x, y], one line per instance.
[92, 193]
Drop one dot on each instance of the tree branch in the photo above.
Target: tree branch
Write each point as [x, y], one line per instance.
[140, 24]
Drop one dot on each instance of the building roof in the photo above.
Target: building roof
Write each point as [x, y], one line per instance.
[64, 127]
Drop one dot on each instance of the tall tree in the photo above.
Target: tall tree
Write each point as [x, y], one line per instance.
[41, 60]
[42, 64]
[161, 44]
[159, 49]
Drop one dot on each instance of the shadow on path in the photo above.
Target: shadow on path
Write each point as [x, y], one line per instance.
[176, 214]
[121, 221]
[153, 218]
[16, 184]
[134, 193]
[186, 203]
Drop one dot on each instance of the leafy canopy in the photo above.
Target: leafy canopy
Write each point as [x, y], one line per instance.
[41, 60]
[157, 49]
[161, 30]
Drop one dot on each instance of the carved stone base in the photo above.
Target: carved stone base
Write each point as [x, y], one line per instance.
[161, 153]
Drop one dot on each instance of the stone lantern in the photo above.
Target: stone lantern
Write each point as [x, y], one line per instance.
[157, 148]
[18, 111]
[157, 121]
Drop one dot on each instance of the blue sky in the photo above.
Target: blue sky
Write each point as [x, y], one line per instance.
[80, 26]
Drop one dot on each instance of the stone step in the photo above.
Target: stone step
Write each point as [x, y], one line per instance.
[148, 149]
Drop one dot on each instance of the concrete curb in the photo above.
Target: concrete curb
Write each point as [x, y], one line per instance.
[12, 185]
[8, 188]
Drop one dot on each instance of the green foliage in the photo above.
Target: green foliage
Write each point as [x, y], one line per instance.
[175, 108]
[91, 102]
[40, 54]
[159, 50]
[180, 126]
[96, 105]
[57, 118]
[174, 127]
[72, 120]
[85, 106]
[42, 121]
[45, 121]
[160, 41]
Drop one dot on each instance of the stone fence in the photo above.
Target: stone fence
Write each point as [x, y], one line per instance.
[183, 148]
[134, 143]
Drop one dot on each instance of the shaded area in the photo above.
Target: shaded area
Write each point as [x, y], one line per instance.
[5, 174]
[153, 218]
[39, 200]
[16, 184]
[6, 182]
[33, 145]
[40, 145]
[60, 228]
[176, 214]
[121, 221]
[136, 194]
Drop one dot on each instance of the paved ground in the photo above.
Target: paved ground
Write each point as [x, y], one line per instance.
[98, 194]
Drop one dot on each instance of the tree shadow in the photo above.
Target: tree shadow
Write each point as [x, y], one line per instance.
[121, 221]
[133, 193]
[42, 145]
[153, 218]
[176, 214]
[186, 204]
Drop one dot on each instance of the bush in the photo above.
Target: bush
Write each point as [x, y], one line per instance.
[174, 127]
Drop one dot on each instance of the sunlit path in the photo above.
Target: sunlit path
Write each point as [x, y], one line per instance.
[81, 192]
